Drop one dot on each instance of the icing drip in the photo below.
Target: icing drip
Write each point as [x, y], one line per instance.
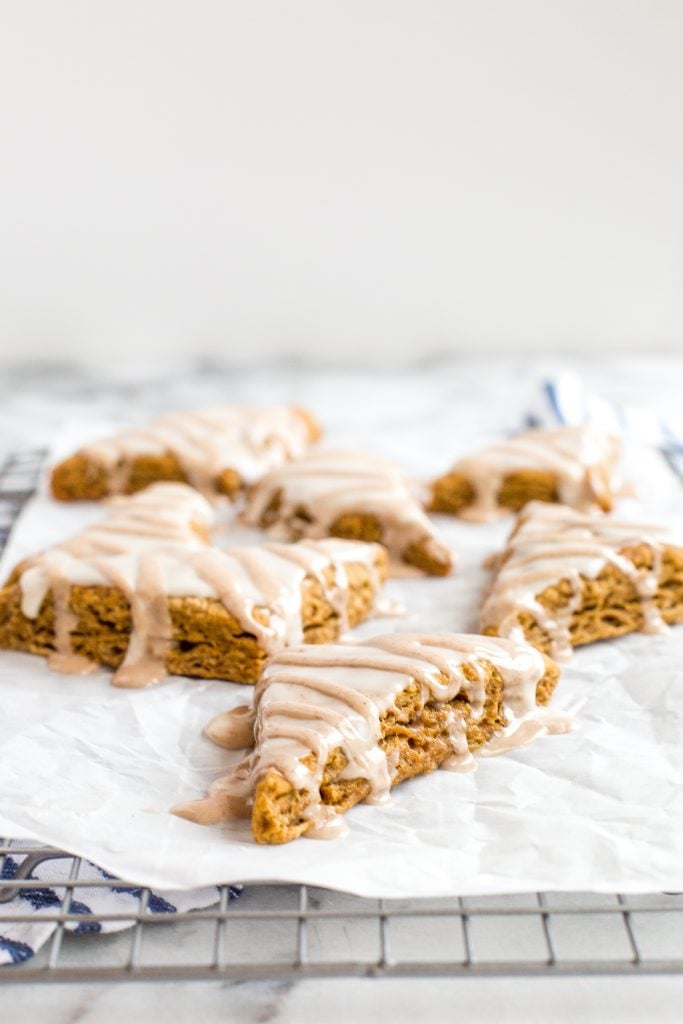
[173, 515]
[260, 586]
[249, 441]
[63, 658]
[233, 729]
[316, 490]
[552, 543]
[168, 514]
[316, 699]
[581, 459]
[152, 629]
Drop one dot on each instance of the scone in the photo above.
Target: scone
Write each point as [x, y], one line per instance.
[143, 592]
[566, 579]
[217, 451]
[337, 724]
[352, 495]
[575, 466]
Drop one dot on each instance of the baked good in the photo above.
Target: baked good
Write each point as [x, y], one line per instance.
[576, 466]
[566, 579]
[166, 514]
[348, 494]
[338, 724]
[187, 611]
[217, 451]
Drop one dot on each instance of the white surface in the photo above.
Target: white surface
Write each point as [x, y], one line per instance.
[440, 1000]
[371, 178]
[93, 769]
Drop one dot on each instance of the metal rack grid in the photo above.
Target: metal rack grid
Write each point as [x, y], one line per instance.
[300, 931]
[303, 932]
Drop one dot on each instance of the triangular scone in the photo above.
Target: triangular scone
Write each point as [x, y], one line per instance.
[576, 466]
[142, 591]
[351, 495]
[341, 723]
[566, 579]
[217, 451]
[170, 515]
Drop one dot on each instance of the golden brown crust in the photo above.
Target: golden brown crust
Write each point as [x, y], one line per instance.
[312, 426]
[208, 641]
[367, 527]
[364, 526]
[415, 734]
[452, 492]
[229, 483]
[79, 478]
[82, 478]
[153, 469]
[422, 556]
[610, 605]
[357, 526]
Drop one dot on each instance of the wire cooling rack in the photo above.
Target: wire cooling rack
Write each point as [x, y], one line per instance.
[296, 931]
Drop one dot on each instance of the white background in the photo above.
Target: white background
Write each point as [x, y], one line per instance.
[359, 178]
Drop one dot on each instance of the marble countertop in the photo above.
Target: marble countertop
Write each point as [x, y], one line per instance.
[34, 402]
[339, 1001]
[36, 399]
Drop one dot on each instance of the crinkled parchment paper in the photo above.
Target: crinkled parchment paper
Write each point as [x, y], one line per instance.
[94, 770]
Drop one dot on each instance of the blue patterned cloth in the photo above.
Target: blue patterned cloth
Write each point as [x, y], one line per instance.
[20, 940]
[563, 399]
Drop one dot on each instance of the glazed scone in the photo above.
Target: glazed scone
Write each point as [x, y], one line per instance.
[206, 612]
[335, 725]
[351, 495]
[566, 579]
[575, 466]
[169, 515]
[217, 451]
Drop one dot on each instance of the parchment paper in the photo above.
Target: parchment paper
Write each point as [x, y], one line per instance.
[94, 770]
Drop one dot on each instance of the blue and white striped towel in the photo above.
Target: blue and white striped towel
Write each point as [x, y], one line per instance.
[20, 940]
[564, 399]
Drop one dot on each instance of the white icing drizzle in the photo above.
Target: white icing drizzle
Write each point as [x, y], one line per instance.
[168, 514]
[248, 440]
[318, 699]
[261, 586]
[327, 484]
[582, 460]
[552, 543]
[171, 515]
